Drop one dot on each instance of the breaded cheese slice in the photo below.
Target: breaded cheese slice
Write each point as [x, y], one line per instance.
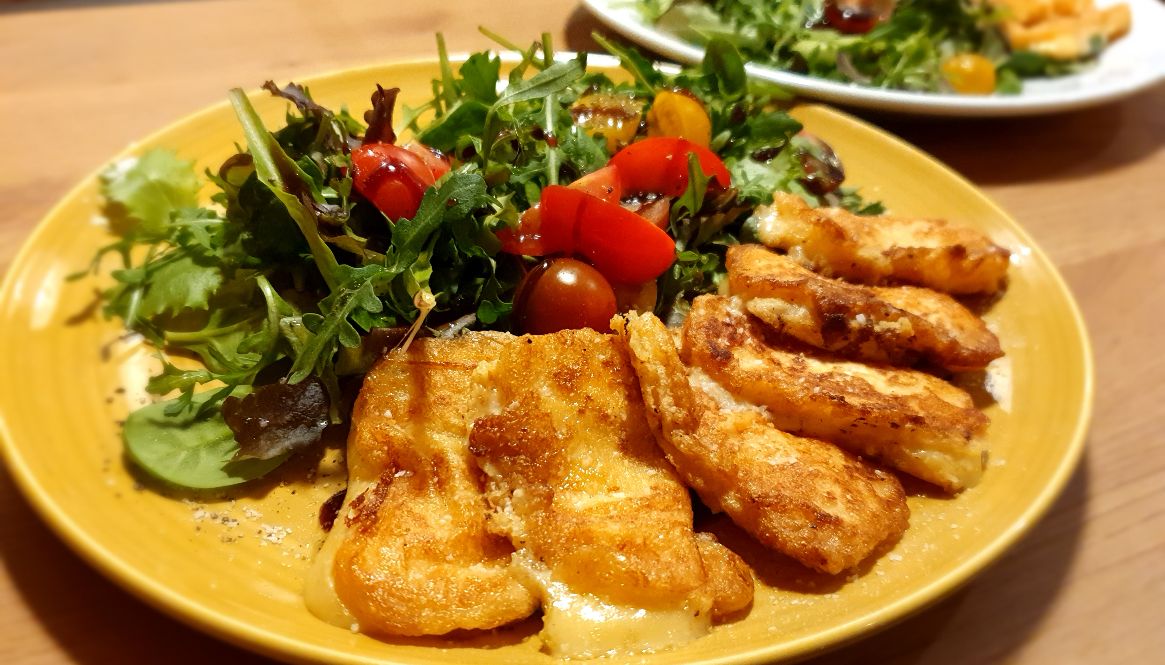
[896, 325]
[410, 552]
[600, 521]
[909, 420]
[883, 249]
[802, 497]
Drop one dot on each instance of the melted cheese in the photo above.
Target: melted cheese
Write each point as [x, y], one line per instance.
[582, 625]
[319, 590]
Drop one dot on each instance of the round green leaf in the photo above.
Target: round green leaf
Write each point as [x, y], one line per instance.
[189, 449]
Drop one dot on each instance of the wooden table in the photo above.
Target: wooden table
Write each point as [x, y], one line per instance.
[81, 79]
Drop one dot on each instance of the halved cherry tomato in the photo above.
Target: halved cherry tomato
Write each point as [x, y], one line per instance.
[603, 183]
[658, 212]
[678, 113]
[623, 246]
[563, 294]
[560, 212]
[969, 74]
[528, 238]
[392, 178]
[659, 165]
[437, 162]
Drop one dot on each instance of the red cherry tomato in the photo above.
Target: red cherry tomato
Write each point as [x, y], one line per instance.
[856, 17]
[658, 212]
[623, 246]
[530, 239]
[392, 178]
[659, 165]
[527, 237]
[437, 162]
[603, 183]
[563, 294]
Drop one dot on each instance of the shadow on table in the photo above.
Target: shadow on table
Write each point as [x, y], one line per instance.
[579, 26]
[1072, 145]
[93, 620]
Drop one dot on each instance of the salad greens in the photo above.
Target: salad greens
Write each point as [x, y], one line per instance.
[291, 284]
[189, 450]
[905, 51]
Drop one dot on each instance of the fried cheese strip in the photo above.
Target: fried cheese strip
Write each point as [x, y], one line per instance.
[410, 552]
[896, 325]
[1062, 29]
[596, 514]
[806, 498]
[881, 249]
[910, 420]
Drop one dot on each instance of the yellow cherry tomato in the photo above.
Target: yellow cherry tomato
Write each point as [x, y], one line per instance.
[969, 74]
[677, 114]
[612, 116]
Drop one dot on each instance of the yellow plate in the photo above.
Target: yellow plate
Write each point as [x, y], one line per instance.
[233, 565]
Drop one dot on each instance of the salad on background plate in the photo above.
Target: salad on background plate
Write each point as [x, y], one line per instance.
[942, 57]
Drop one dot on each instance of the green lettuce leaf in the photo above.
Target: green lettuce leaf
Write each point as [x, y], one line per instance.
[151, 188]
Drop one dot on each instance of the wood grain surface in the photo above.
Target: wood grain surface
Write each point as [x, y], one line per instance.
[80, 80]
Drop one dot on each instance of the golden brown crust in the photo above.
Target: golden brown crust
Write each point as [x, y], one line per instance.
[803, 497]
[912, 421]
[575, 476]
[896, 325]
[729, 578]
[883, 249]
[951, 335]
[416, 557]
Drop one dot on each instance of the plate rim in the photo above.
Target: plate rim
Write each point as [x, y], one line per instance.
[881, 99]
[249, 637]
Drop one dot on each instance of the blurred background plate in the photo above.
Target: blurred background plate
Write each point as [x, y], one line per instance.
[1131, 64]
[232, 564]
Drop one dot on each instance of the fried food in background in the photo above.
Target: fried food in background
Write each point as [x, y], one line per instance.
[805, 498]
[1062, 29]
[909, 420]
[594, 510]
[883, 249]
[896, 325]
[410, 553]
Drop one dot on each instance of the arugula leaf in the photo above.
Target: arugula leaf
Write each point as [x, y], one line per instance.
[479, 77]
[633, 61]
[287, 181]
[357, 290]
[456, 197]
[553, 79]
[150, 188]
[690, 202]
[191, 448]
[465, 118]
[722, 63]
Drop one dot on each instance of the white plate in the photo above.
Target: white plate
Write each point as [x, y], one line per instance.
[1133, 63]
